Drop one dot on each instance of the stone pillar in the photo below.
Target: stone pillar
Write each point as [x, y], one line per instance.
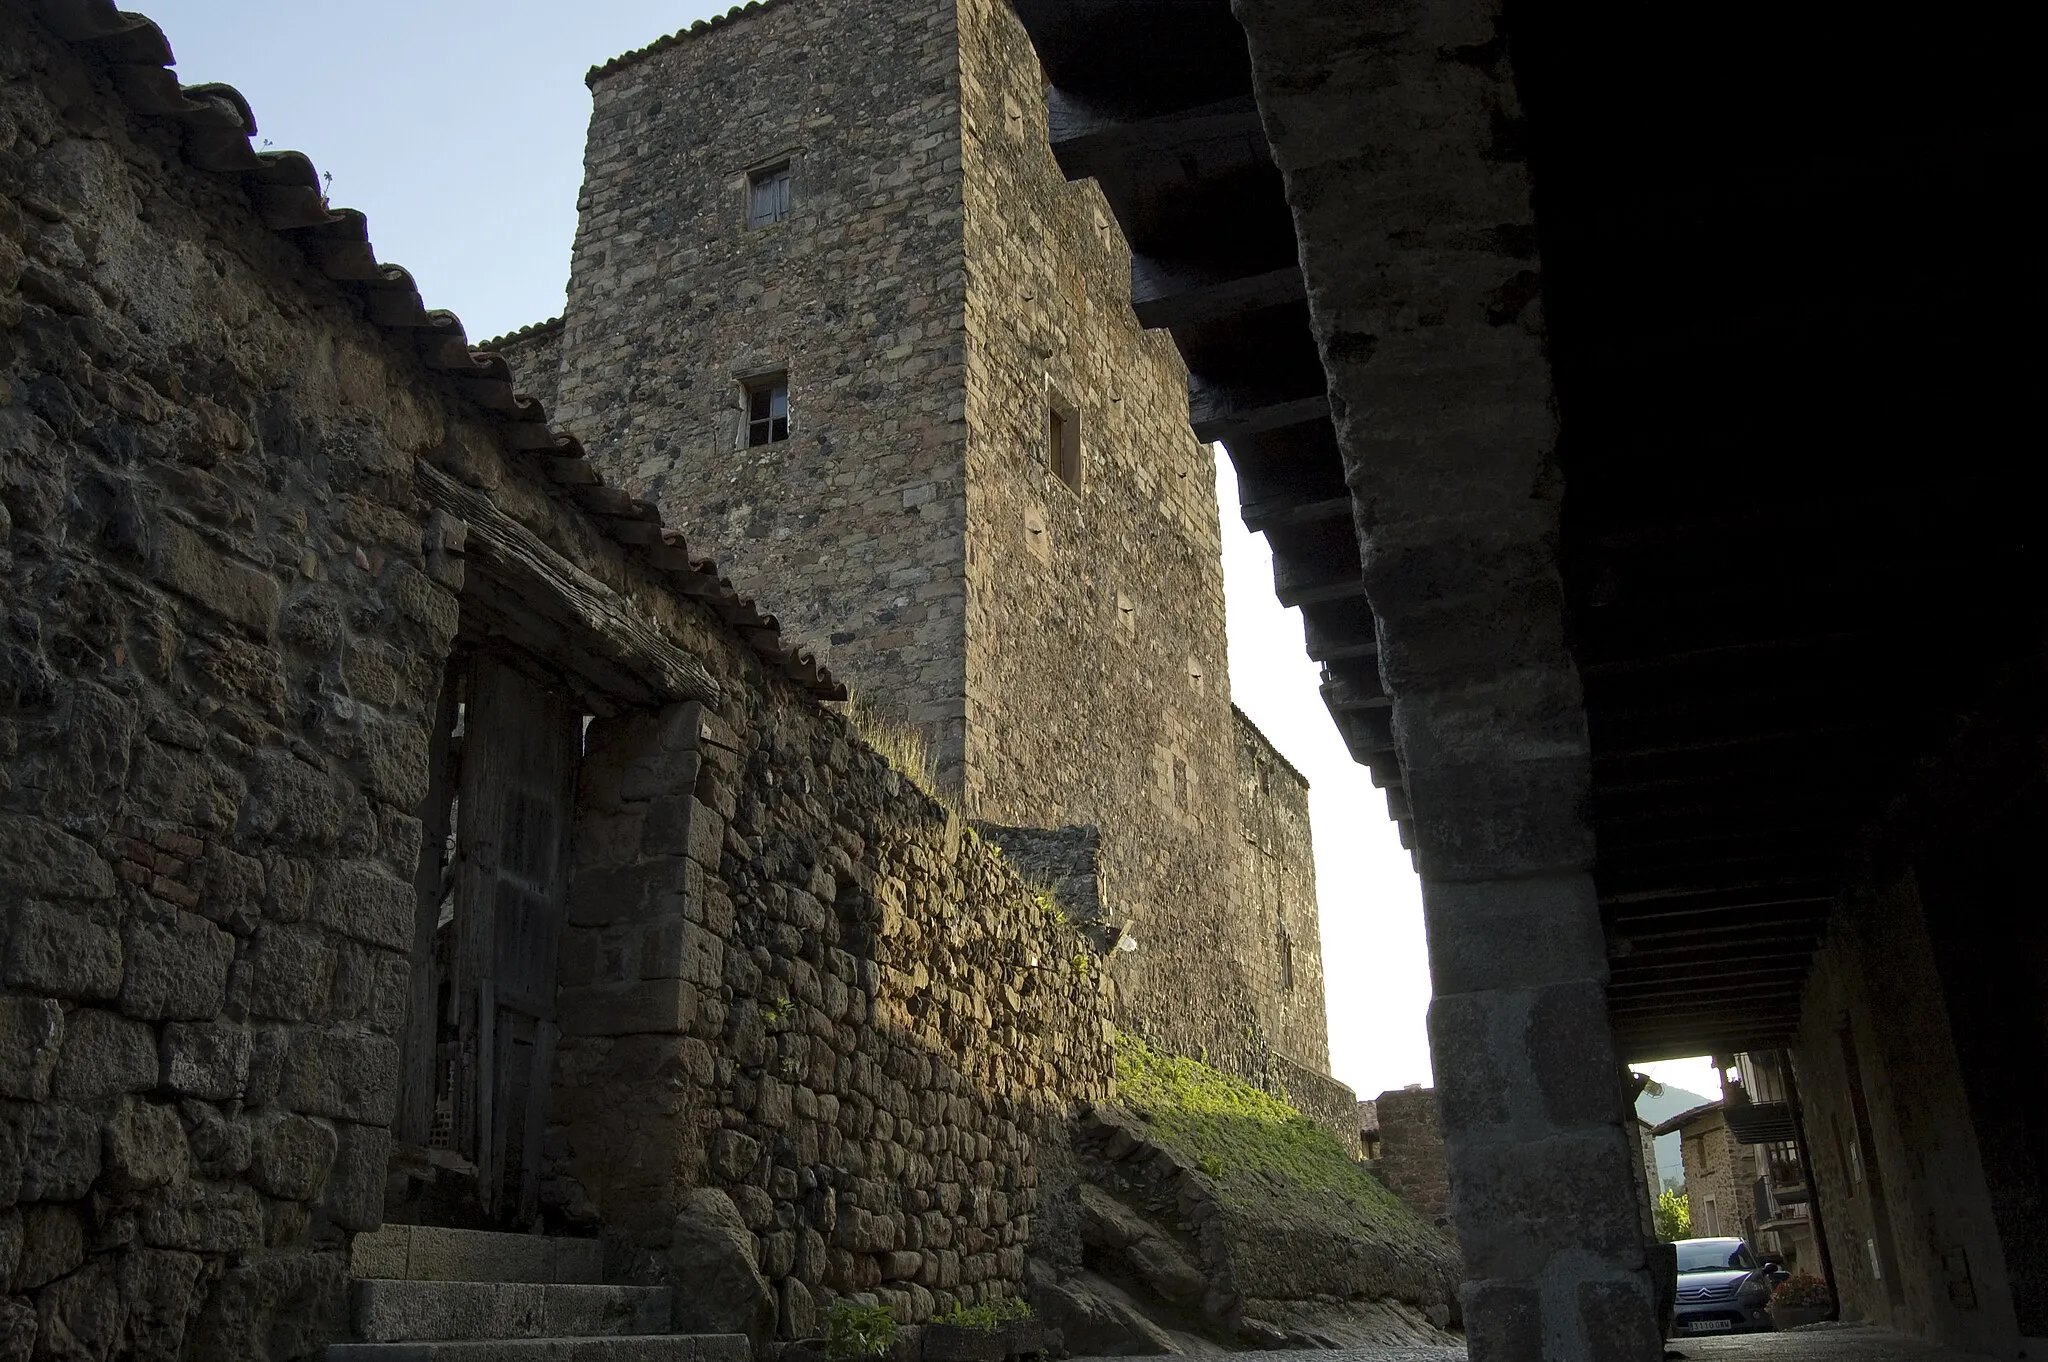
[642, 958]
[1399, 133]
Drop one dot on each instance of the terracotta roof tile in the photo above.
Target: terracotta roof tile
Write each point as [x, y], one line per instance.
[676, 39]
[285, 189]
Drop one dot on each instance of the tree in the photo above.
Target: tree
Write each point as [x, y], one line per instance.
[1673, 1215]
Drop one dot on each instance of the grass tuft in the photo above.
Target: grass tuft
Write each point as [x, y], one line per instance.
[1260, 1152]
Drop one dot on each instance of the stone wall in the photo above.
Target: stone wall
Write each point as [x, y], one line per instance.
[1097, 675]
[1279, 879]
[936, 290]
[1719, 1196]
[1413, 1161]
[854, 526]
[233, 587]
[224, 635]
[871, 1026]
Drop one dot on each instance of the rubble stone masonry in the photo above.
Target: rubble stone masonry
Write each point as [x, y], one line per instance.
[936, 292]
[230, 600]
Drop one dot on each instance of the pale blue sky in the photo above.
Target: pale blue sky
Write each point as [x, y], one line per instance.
[458, 128]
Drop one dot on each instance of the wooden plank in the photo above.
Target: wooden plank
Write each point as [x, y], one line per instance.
[487, 1177]
[504, 548]
[537, 1090]
[422, 1031]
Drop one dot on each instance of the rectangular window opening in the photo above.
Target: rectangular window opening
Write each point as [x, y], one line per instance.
[768, 410]
[1063, 442]
[768, 195]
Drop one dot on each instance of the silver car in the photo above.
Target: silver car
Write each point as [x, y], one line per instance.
[1722, 1288]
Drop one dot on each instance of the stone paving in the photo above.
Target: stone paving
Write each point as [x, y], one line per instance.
[1821, 1343]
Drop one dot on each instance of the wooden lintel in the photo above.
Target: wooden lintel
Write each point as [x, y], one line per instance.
[604, 621]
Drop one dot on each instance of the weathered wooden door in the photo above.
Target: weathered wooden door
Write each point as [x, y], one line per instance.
[514, 807]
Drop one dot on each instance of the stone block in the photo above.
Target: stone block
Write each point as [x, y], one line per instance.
[203, 1217]
[290, 973]
[344, 1075]
[236, 591]
[660, 1006]
[1620, 1319]
[206, 1059]
[161, 1289]
[60, 1152]
[31, 1040]
[1516, 933]
[354, 1198]
[733, 1155]
[175, 967]
[1503, 1321]
[290, 1155]
[364, 900]
[40, 860]
[52, 1245]
[1520, 1201]
[10, 1246]
[105, 1055]
[219, 1140]
[144, 1147]
[1571, 1052]
[1476, 1039]
[68, 952]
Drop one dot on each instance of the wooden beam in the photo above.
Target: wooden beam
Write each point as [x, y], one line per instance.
[1178, 293]
[602, 620]
[1219, 413]
[1093, 142]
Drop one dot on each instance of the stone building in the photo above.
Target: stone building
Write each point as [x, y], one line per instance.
[1412, 1159]
[1719, 1171]
[835, 309]
[407, 838]
[302, 599]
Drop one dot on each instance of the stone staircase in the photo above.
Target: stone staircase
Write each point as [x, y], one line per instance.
[418, 1293]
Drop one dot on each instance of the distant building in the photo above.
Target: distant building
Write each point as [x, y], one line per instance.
[1743, 1174]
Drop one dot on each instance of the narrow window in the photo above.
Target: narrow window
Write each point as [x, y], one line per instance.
[1286, 961]
[768, 410]
[1063, 443]
[768, 195]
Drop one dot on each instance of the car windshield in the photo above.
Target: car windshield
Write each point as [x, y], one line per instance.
[1714, 1255]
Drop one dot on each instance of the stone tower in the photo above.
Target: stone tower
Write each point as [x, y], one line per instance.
[834, 307]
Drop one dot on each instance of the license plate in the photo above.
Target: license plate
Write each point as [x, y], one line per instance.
[1708, 1326]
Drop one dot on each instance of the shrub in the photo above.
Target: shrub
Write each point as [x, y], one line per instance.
[1673, 1214]
[1802, 1289]
[854, 1330]
[987, 1317]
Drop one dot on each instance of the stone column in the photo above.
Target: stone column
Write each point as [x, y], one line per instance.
[1399, 133]
[642, 957]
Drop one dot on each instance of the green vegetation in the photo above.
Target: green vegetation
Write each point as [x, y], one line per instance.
[853, 1330]
[987, 1317]
[1673, 1214]
[779, 1013]
[896, 742]
[1260, 1152]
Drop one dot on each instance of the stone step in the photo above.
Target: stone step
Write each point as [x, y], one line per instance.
[401, 1311]
[429, 1253]
[642, 1348]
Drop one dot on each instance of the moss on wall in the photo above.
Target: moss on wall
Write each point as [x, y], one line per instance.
[1261, 1153]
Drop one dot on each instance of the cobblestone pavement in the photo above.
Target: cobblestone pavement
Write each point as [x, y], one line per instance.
[1819, 1343]
[1824, 1343]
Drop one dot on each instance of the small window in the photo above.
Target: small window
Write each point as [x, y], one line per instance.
[1063, 443]
[768, 410]
[768, 195]
[1286, 961]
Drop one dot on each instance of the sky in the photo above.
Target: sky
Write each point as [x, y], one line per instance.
[458, 129]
